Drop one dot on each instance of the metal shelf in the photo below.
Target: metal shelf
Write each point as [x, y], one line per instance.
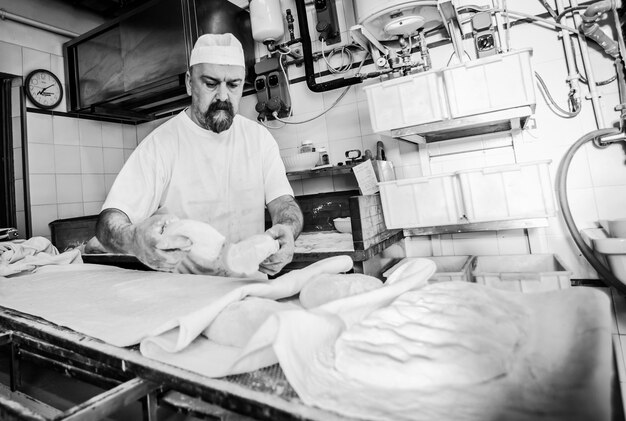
[321, 172]
[478, 226]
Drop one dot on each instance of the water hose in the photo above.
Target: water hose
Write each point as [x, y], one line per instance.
[561, 190]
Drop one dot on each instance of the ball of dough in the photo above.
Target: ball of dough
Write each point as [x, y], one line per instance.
[207, 242]
[238, 321]
[330, 287]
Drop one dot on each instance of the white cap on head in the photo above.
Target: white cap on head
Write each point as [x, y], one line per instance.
[217, 49]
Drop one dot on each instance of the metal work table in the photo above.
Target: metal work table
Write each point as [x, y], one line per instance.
[262, 395]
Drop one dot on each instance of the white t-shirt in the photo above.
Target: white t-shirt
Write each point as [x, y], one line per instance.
[223, 179]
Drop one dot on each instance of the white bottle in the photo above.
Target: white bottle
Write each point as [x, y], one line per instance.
[266, 19]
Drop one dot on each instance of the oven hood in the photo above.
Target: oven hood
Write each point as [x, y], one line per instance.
[133, 67]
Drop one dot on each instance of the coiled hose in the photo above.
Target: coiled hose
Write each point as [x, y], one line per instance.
[561, 190]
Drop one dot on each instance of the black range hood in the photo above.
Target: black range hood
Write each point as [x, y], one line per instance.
[133, 67]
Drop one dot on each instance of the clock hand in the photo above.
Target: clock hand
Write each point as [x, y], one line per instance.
[42, 91]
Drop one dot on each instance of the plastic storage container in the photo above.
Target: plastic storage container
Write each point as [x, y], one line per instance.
[489, 84]
[423, 201]
[525, 273]
[507, 192]
[407, 101]
[497, 193]
[449, 268]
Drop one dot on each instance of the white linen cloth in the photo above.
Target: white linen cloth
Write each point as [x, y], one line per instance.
[22, 256]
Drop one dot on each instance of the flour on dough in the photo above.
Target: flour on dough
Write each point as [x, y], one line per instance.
[238, 321]
[428, 338]
[330, 287]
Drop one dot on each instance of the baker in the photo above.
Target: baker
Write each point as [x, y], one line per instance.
[207, 163]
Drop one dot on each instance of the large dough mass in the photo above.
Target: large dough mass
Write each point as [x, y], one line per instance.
[429, 338]
[236, 324]
[330, 287]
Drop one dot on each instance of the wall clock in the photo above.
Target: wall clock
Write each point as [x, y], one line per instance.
[44, 89]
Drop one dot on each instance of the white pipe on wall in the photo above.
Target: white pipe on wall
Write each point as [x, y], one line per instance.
[573, 78]
[36, 24]
[591, 80]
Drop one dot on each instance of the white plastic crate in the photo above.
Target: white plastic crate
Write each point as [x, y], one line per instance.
[492, 83]
[421, 202]
[507, 192]
[407, 101]
[449, 268]
[478, 86]
[522, 273]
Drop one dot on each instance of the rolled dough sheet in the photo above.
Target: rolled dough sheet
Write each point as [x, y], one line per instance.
[324, 242]
[165, 312]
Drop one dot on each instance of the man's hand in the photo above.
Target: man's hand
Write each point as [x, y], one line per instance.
[156, 250]
[284, 234]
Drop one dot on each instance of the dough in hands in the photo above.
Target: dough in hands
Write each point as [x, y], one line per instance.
[238, 321]
[429, 338]
[330, 287]
[211, 254]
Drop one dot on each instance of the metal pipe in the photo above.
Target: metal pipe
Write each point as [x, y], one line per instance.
[592, 30]
[591, 80]
[4, 15]
[573, 78]
[307, 53]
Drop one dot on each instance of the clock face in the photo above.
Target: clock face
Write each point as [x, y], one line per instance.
[44, 89]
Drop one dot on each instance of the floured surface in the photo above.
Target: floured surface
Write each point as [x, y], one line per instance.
[118, 306]
[324, 242]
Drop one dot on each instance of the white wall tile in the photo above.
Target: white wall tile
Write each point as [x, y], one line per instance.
[40, 158]
[127, 153]
[112, 135]
[129, 133]
[93, 208]
[108, 181]
[41, 216]
[67, 159]
[512, 242]
[305, 101]
[93, 188]
[92, 160]
[39, 128]
[583, 207]
[34, 59]
[70, 210]
[57, 67]
[342, 122]
[21, 223]
[314, 130]
[16, 130]
[418, 246]
[69, 188]
[19, 195]
[143, 130]
[286, 136]
[43, 189]
[317, 185]
[90, 132]
[113, 160]
[611, 202]
[479, 243]
[607, 165]
[18, 166]
[338, 148]
[16, 104]
[65, 130]
[364, 118]
[11, 62]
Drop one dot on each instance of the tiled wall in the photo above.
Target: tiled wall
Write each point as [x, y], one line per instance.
[73, 162]
[597, 186]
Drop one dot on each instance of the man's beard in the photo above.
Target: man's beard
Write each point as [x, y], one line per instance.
[218, 117]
